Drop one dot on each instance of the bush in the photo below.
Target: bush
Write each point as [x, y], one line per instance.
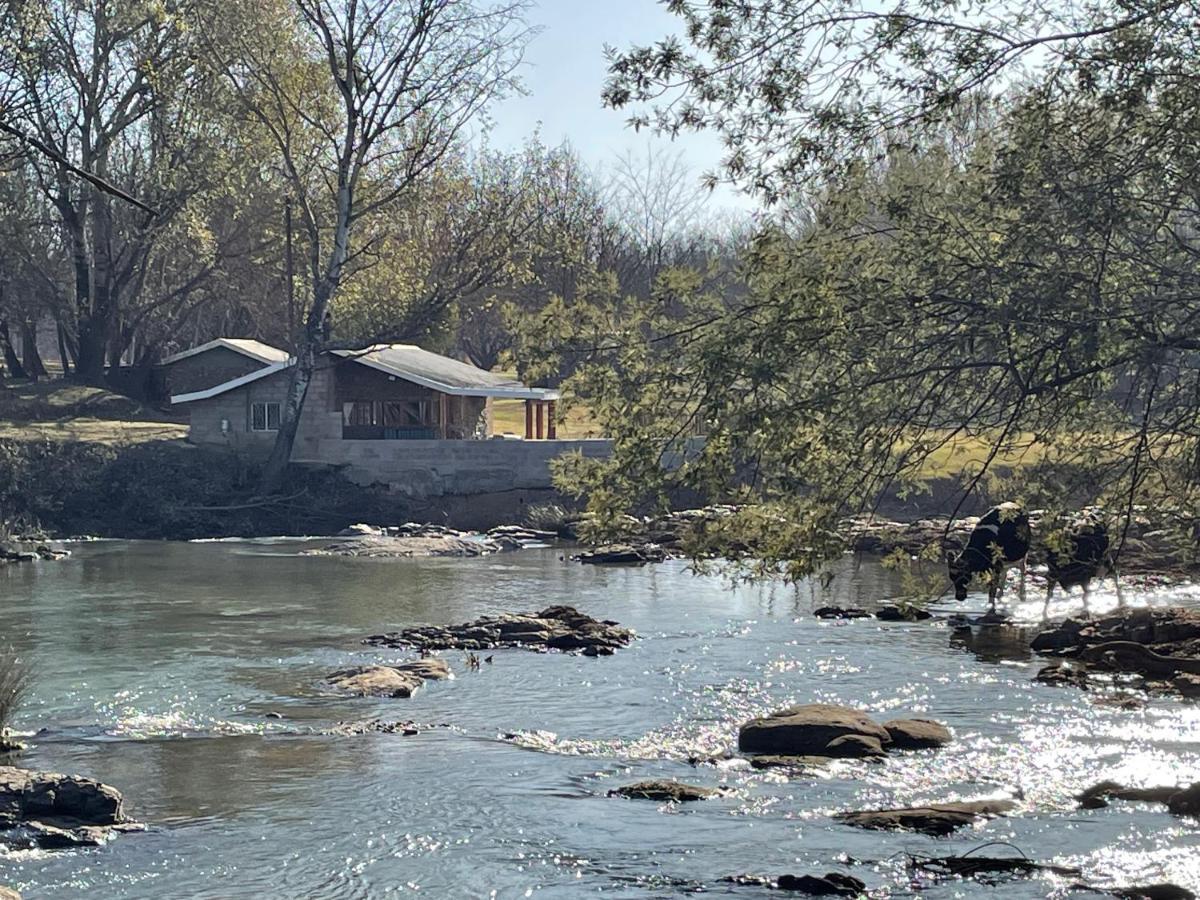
[14, 685]
[553, 517]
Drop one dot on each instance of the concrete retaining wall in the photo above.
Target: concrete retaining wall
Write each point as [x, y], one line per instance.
[437, 468]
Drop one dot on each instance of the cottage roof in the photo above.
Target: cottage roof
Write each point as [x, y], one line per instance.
[255, 350]
[236, 383]
[410, 363]
[441, 373]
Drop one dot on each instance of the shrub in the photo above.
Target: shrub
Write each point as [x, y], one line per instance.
[553, 517]
[14, 685]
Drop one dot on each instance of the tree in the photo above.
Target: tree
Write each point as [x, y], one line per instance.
[1035, 295]
[363, 99]
[113, 90]
[800, 90]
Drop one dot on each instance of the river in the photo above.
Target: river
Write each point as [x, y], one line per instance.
[160, 668]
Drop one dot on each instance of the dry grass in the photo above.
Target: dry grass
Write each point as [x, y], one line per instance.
[62, 411]
[115, 433]
[14, 685]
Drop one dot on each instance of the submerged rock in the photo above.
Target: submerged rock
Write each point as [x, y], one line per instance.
[807, 730]
[555, 628]
[908, 613]
[1186, 802]
[770, 761]
[831, 884]
[623, 555]
[387, 547]
[53, 811]
[665, 791]
[389, 681]
[1098, 795]
[1064, 674]
[841, 612]
[934, 819]
[917, 734]
[1164, 891]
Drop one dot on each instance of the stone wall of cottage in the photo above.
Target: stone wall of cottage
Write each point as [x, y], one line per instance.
[415, 468]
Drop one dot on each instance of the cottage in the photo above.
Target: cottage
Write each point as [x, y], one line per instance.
[214, 363]
[391, 413]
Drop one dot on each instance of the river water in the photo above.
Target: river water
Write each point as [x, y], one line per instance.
[160, 668]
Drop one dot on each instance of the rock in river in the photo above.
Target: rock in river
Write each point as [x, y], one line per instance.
[917, 734]
[831, 884]
[8, 894]
[807, 730]
[385, 547]
[389, 681]
[52, 811]
[555, 628]
[666, 791]
[935, 819]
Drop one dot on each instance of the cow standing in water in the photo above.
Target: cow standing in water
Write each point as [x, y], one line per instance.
[1081, 554]
[1001, 539]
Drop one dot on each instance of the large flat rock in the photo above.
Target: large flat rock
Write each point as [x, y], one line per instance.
[935, 819]
[808, 730]
[401, 680]
[54, 799]
[386, 547]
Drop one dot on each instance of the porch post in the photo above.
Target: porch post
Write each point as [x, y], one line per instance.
[551, 425]
[540, 407]
[529, 420]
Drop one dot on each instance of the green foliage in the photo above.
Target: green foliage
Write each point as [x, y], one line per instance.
[1033, 285]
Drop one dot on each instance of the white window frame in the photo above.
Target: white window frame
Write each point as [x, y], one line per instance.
[266, 415]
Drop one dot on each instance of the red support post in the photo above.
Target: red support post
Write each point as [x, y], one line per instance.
[529, 420]
[551, 424]
[540, 432]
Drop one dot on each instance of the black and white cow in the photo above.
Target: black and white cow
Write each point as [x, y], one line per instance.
[1080, 553]
[1001, 539]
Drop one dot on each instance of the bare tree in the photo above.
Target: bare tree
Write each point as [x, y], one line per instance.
[656, 198]
[362, 99]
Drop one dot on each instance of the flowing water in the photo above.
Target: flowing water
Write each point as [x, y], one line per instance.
[161, 669]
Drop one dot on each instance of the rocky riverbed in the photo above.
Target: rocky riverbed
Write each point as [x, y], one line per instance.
[1156, 650]
[554, 628]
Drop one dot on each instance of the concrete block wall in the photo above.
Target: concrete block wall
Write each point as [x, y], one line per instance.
[437, 468]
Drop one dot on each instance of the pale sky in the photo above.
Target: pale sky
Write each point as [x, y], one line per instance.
[564, 73]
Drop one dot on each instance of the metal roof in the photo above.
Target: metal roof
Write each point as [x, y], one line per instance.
[441, 373]
[410, 363]
[255, 350]
[231, 385]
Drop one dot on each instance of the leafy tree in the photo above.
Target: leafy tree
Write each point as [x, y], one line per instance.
[1035, 294]
[363, 100]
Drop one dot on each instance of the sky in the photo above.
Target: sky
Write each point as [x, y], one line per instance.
[564, 74]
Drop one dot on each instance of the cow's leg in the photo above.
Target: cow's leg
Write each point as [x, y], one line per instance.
[1023, 574]
[1087, 587]
[1117, 587]
[1046, 605]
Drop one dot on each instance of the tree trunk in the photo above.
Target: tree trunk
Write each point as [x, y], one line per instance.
[316, 333]
[15, 369]
[29, 348]
[63, 356]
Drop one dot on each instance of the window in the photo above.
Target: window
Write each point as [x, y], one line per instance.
[264, 416]
[387, 413]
